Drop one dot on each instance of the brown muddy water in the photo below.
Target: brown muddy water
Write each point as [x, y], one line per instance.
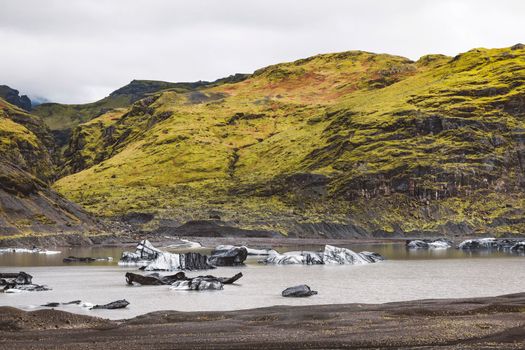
[405, 275]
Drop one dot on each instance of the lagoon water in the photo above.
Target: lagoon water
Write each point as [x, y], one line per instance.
[406, 275]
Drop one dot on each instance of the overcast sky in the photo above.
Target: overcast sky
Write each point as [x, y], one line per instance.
[79, 51]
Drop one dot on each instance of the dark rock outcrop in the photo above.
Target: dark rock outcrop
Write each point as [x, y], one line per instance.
[228, 257]
[12, 96]
[28, 204]
[119, 304]
[81, 259]
[300, 291]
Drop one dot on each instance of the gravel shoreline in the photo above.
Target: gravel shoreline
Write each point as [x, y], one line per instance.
[478, 323]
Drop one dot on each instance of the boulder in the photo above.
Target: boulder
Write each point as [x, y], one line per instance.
[300, 291]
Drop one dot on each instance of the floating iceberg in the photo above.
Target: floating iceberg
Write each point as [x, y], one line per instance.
[187, 261]
[330, 255]
[439, 243]
[29, 251]
[479, 243]
[513, 245]
[149, 258]
[343, 256]
[155, 279]
[143, 255]
[518, 247]
[198, 283]
[290, 258]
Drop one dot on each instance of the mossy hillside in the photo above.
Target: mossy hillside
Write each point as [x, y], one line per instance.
[435, 126]
[27, 205]
[260, 89]
[62, 118]
[25, 141]
[437, 148]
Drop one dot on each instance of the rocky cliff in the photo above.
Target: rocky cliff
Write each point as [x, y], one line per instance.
[12, 96]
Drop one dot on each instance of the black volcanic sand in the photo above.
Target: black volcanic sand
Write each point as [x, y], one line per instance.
[480, 323]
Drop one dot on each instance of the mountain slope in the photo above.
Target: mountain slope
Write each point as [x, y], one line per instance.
[62, 118]
[338, 144]
[27, 204]
[25, 141]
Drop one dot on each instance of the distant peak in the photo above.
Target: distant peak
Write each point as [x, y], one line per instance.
[12, 96]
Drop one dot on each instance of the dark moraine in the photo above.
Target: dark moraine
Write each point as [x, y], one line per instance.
[473, 323]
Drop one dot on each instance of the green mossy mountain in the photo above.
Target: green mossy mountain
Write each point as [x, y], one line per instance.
[62, 118]
[344, 144]
[27, 203]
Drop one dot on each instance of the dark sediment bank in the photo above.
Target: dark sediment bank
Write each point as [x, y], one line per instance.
[74, 240]
[479, 323]
[130, 240]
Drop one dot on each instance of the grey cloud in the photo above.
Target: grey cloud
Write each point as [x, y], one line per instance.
[79, 51]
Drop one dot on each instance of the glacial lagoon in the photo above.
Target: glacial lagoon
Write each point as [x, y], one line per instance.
[405, 275]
